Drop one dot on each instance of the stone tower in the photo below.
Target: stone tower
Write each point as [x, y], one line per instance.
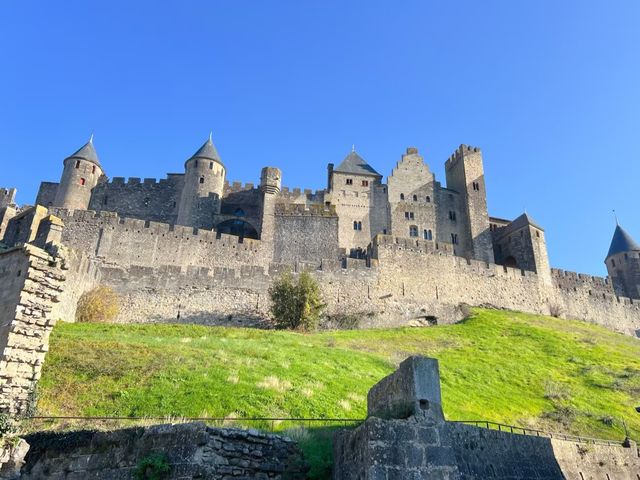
[465, 174]
[360, 199]
[81, 173]
[623, 264]
[270, 181]
[203, 188]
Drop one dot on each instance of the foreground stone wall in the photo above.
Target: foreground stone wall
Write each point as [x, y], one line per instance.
[193, 451]
[406, 437]
[35, 285]
[481, 453]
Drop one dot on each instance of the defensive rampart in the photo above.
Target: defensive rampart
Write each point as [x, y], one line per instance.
[162, 270]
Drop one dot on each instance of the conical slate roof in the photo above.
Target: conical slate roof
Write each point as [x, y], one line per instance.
[622, 242]
[355, 164]
[208, 151]
[88, 153]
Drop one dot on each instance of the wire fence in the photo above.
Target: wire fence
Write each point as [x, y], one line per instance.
[268, 424]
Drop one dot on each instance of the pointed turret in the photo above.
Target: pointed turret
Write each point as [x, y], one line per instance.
[207, 151]
[623, 264]
[622, 242]
[87, 152]
[82, 171]
[203, 187]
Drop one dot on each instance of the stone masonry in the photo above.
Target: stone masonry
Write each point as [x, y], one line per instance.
[192, 450]
[33, 282]
[406, 437]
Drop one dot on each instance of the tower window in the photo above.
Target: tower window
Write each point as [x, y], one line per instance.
[77, 163]
[402, 196]
[196, 163]
[476, 186]
[357, 225]
[349, 181]
[613, 263]
[415, 198]
[537, 234]
[452, 215]
[201, 179]
[105, 200]
[454, 238]
[210, 165]
[428, 199]
[409, 215]
[82, 181]
[146, 201]
[413, 231]
[365, 183]
[93, 169]
[427, 235]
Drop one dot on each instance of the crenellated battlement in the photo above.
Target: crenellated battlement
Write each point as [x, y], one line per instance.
[124, 225]
[293, 209]
[292, 193]
[459, 154]
[171, 178]
[236, 187]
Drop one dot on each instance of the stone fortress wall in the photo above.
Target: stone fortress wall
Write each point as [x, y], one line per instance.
[209, 278]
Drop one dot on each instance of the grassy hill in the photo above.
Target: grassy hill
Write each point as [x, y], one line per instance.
[507, 367]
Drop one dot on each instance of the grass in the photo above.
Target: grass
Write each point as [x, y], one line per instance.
[502, 366]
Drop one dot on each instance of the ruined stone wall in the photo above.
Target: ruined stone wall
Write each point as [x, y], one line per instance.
[148, 199]
[192, 450]
[32, 283]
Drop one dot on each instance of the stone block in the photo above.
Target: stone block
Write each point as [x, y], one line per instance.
[412, 390]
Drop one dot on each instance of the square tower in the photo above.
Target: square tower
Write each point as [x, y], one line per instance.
[465, 174]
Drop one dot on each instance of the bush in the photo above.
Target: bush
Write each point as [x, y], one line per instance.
[296, 305]
[153, 467]
[101, 304]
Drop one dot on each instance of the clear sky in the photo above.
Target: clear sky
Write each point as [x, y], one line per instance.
[550, 90]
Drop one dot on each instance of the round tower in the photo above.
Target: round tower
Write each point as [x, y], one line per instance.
[623, 264]
[203, 187]
[81, 173]
[270, 179]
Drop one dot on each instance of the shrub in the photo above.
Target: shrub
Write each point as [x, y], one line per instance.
[296, 305]
[556, 391]
[101, 304]
[153, 467]
[556, 310]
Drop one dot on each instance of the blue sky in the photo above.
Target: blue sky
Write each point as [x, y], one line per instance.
[550, 90]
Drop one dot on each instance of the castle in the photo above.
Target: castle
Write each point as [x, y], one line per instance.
[196, 248]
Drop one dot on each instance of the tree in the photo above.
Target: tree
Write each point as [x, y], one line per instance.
[296, 305]
[101, 304]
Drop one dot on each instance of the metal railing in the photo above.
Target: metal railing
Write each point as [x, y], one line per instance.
[501, 427]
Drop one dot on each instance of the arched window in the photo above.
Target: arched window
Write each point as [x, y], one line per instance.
[454, 238]
[402, 196]
[77, 163]
[428, 199]
[427, 235]
[357, 225]
[82, 181]
[413, 231]
[415, 198]
[201, 179]
[210, 165]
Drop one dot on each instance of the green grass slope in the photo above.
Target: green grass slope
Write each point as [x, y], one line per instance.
[502, 366]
